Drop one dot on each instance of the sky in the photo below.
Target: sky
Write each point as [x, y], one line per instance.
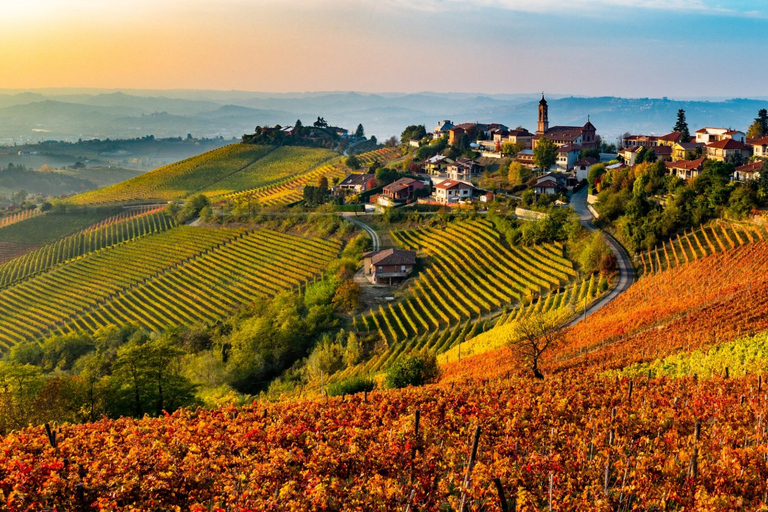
[632, 48]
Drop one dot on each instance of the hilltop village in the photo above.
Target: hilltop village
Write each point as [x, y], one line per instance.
[460, 164]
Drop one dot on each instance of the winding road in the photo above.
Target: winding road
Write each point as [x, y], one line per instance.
[373, 234]
[626, 272]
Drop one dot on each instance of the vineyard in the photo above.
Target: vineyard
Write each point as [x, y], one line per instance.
[176, 276]
[18, 217]
[29, 234]
[290, 189]
[181, 179]
[126, 226]
[717, 236]
[283, 164]
[471, 277]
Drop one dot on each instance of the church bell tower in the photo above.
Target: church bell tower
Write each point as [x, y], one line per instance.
[543, 117]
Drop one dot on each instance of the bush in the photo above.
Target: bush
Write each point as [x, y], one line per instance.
[352, 385]
[416, 369]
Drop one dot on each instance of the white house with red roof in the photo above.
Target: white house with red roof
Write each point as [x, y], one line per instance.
[453, 191]
[709, 135]
[760, 147]
[750, 171]
[686, 169]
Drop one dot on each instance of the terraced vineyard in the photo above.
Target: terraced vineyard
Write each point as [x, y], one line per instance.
[181, 179]
[18, 217]
[290, 190]
[214, 283]
[128, 225]
[29, 234]
[472, 275]
[717, 236]
[281, 165]
[179, 276]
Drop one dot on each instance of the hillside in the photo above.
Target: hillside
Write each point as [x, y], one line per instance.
[585, 437]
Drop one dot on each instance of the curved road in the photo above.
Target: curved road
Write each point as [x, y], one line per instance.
[373, 234]
[626, 271]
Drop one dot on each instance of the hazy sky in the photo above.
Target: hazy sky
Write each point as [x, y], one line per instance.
[676, 48]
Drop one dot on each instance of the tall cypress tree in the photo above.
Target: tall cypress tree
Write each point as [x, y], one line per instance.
[682, 126]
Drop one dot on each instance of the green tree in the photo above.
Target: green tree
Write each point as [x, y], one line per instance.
[759, 127]
[682, 126]
[518, 175]
[360, 132]
[352, 162]
[545, 154]
[415, 369]
[414, 132]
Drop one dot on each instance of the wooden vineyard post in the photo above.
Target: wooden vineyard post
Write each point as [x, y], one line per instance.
[629, 394]
[502, 498]
[694, 469]
[470, 465]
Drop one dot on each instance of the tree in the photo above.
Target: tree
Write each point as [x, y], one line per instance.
[533, 336]
[352, 162]
[682, 126]
[385, 176]
[545, 154]
[518, 175]
[391, 142]
[760, 127]
[320, 123]
[414, 132]
[416, 369]
[347, 296]
[360, 132]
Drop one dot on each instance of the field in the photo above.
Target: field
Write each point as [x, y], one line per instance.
[27, 235]
[181, 179]
[584, 438]
[102, 176]
[172, 276]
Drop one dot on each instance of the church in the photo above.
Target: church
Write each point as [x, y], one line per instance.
[585, 137]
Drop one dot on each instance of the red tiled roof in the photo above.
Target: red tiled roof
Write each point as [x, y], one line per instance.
[446, 184]
[546, 184]
[685, 165]
[673, 137]
[751, 167]
[728, 144]
[760, 142]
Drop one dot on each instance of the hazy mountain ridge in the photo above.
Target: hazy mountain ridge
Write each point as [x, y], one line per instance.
[69, 115]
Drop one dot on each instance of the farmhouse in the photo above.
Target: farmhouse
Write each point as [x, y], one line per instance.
[402, 189]
[452, 191]
[357, 183]
[389, 266]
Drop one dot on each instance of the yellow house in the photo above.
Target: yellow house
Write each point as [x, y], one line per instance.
[686, 151]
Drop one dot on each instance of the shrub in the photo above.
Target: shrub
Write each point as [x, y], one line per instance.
[352, 385]
[415, 369]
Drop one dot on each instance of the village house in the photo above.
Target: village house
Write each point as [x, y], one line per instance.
[747, 172]
[630, 153]
[522, 136]
[356, 184]
[442, 128]
[567, 155]
[687, 150]
[728, 150]
[401, 190]
[463, 169]
[437, 164]
[634, 141]
[583, 166]
[547, 187]
[526, 158]
[685, 169]
[554, 182]
[670, 139]
[760, 147]
[584, 136]
[474, 131]
[709, 135]
[453, 191]
[390, 266]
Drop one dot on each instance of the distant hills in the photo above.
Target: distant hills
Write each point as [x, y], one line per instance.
[72, 114]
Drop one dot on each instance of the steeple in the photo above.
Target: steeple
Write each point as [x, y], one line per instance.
[543, 117]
